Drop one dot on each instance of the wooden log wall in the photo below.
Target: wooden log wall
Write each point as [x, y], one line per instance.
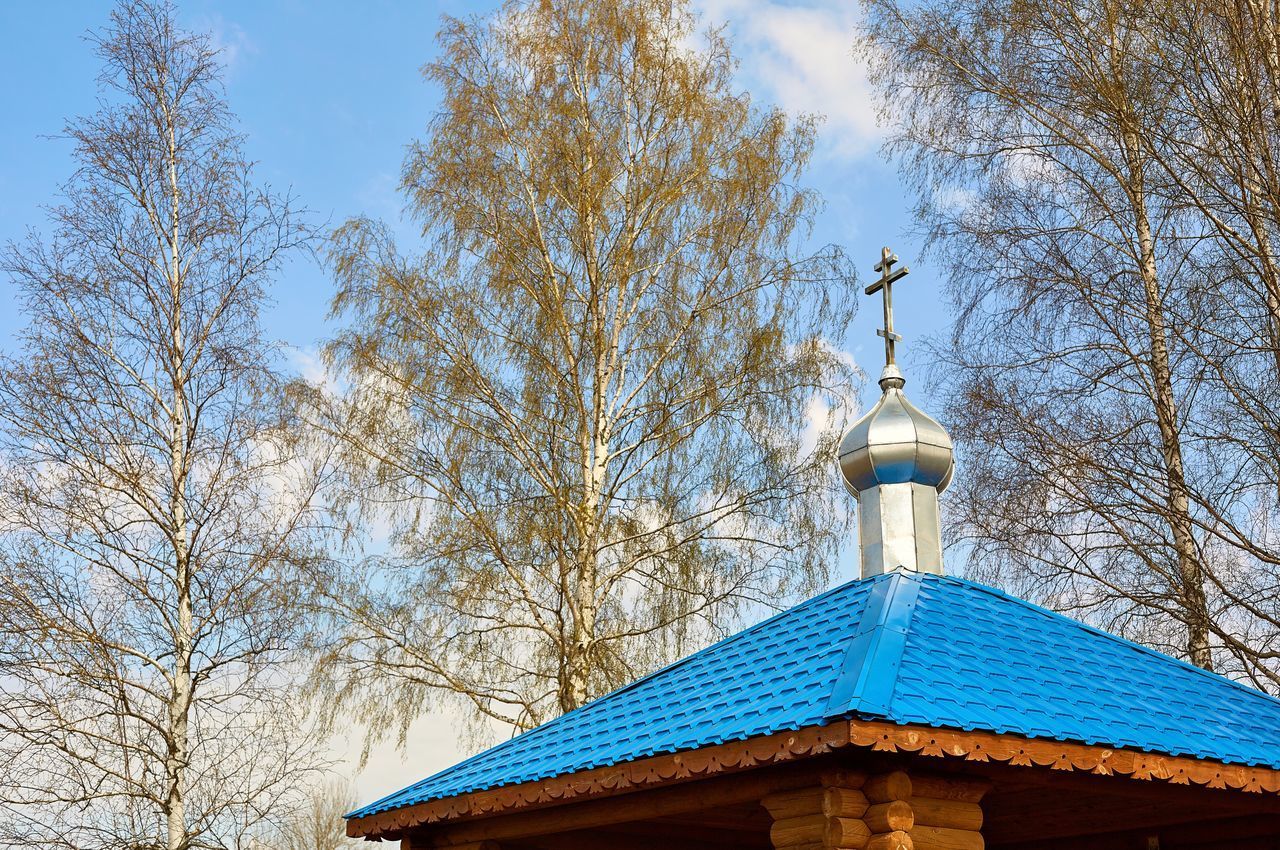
[888, 811]
[826, 815]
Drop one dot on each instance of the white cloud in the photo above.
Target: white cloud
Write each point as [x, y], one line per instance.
[845, 357]
[1028, 167]
[821, 412]
[800, 56]
[228, 38]
[309, 365]
[954, 199]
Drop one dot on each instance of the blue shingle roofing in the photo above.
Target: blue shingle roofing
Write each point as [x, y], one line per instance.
[903, 647]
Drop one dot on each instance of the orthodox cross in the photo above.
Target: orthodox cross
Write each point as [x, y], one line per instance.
[886, 282]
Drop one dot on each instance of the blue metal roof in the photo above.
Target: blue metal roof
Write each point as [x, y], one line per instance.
[903, 647]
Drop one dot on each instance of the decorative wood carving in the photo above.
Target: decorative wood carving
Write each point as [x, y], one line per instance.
[790, 746]
[603, 781]
[1059, 755]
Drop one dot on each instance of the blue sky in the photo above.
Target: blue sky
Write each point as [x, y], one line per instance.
[329, 94]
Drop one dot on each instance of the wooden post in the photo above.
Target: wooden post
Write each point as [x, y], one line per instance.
[888, 811]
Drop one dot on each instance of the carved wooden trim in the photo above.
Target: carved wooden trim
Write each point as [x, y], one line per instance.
[788, 746]
[603, 781]
[1060, 755]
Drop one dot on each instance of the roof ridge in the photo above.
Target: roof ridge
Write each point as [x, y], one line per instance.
[1217, 677]
[878, 644]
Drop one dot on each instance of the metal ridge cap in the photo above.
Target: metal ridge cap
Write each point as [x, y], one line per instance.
[869, 673]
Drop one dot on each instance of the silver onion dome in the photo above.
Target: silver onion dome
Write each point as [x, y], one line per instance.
[896, 443]
[895, 461]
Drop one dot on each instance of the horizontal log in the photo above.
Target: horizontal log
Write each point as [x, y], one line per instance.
[941, 838]
[792, 804]
[955, 814]
[844, 803]
[888, 787]
[792, 832]
[842, 778]
[891, 841]
[949, 788]
[890, 817]
[847, 833]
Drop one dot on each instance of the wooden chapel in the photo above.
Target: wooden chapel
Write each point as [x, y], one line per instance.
[906, 709]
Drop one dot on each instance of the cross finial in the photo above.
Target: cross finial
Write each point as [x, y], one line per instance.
[885, 282]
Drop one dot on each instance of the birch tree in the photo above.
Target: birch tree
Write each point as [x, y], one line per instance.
[584, 400]
[1095, 178]
[317, 823]
[1218, 141]
[150, 505]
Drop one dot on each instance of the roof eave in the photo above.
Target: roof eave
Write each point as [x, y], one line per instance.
[787, 746]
